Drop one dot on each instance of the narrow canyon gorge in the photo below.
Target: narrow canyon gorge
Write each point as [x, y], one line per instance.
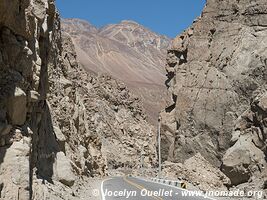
[80, 103]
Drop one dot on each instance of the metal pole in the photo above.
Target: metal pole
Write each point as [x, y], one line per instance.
[159, 147]
[142, 161]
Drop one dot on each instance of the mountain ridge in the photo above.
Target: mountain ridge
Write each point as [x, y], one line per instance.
[125, 21]
[127, 51]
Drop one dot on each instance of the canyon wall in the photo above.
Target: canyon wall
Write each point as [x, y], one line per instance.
[58, 123]
[29, 31]
[217, 77]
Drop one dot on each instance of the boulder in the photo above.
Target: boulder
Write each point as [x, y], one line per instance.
[197, 171]
[60, 137]
[65, 82]
[263, 102]
[63, 170]
[15, 165]
[34, 96]
[16, 107]
[240, 160]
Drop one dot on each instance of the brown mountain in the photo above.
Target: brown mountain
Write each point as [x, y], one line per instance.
[127, 51]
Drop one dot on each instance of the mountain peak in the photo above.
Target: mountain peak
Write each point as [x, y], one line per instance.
[78, 25]
[135, 35]
[129, 22]
[129, 52]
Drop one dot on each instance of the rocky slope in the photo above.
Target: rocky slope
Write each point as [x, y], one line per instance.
[126, 51]
[103, 113]
[217, 77]
[55, 117]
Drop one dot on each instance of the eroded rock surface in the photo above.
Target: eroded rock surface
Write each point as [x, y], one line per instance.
[216, 69]
[246, 158]
[107, 122]
[58, 124]
[28, 30]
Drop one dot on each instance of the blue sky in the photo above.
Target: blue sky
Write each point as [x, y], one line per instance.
[167, 17]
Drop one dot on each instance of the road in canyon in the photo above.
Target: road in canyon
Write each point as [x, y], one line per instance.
[121, 188]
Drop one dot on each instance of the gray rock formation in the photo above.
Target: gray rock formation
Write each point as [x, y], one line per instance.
[55, 117]
[247, 155]
[127, 51]
[100, 116]
[198, 172]
[216, 69]
[28, 30]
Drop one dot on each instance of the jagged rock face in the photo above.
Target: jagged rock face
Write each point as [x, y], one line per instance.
[69, 114]
[27, 31]
[54, 117]
[247, 155]
[32, 148]
[127, 51]
[215, 69]
[103, 123]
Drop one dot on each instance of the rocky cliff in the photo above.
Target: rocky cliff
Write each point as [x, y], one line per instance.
[217, 77]
[100, 116]
[127, 51]
[29, 32]
[54, 116]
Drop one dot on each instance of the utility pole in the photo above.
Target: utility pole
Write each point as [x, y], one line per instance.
[159, 146]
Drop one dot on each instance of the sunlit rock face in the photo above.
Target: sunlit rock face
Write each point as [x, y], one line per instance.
[217, 72]
[32, 148]
[59, 124]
